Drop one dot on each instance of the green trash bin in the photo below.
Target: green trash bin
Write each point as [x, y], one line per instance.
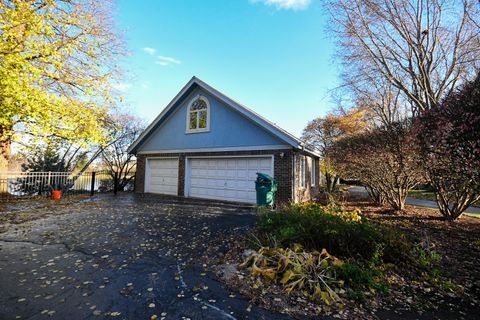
[266, 188]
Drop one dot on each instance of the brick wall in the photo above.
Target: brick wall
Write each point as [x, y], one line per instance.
[282, 171]
[181, 175]
[140, 174]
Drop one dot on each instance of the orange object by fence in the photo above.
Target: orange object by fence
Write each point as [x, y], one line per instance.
[56, 194]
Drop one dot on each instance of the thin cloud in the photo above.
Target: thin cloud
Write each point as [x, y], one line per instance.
[150, 51]
[166, 61]
[122, 87]
[286, 4]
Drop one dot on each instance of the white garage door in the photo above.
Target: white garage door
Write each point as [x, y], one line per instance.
[231, 179]
[161, 176]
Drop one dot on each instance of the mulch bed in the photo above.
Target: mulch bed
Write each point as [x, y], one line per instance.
[458, 244]
[410, 296]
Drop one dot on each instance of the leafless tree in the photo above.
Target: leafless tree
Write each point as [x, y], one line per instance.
[124, 130]
[423, 48]
[383, 103]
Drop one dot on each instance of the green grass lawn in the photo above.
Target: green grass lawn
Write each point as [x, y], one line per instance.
[422, 194]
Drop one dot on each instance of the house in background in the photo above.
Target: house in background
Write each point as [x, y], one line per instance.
[206, 145]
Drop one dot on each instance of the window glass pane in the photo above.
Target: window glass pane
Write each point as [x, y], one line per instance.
[202, 121]
[198, 104]
[193, 120]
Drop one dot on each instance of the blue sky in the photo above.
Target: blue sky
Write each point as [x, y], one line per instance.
[271, 55]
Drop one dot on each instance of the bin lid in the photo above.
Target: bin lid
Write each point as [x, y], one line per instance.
[264, 176]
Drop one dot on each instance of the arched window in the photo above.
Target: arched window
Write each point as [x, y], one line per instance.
[198, 115]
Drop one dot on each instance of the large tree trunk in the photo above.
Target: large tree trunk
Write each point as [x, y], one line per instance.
[375, 195]
[398, 197]
[5, 142]
[4, 156]
[452, 209]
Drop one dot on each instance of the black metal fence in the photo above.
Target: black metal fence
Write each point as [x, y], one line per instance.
[19, 185]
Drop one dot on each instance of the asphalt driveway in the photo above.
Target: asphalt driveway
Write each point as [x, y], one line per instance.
[123, 257]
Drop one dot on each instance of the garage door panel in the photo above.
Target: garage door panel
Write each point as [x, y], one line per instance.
[231, 194]
[212, 173]
[252, 174]
[162, 176]
[197, 172]
[161, 189]
[241, 164]
[266, 166]
[231, 179]
[213, 192]
[253, 163]
[199, 182]
[246, 184]
[162, 165]
[231, 184]
[164, 173]
[163, 180]
[242, 174]
[222, 164]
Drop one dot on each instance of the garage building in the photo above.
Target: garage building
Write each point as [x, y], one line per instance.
[206, 145]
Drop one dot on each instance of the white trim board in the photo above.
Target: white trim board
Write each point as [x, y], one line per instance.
[227, 149]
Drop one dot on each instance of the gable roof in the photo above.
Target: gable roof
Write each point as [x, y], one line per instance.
[248, 113]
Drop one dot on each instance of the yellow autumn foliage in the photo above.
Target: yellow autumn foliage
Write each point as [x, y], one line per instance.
[56, 62]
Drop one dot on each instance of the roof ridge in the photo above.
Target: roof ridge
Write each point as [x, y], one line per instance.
[239, 107]
[251, 111]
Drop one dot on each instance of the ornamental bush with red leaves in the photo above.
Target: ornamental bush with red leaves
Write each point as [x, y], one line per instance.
[449, 137]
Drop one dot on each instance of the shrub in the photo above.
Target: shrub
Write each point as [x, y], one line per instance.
[325, 253]
[385, 159]
[358, 279]
[344, 234]
[449, 137]
[426, 259]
